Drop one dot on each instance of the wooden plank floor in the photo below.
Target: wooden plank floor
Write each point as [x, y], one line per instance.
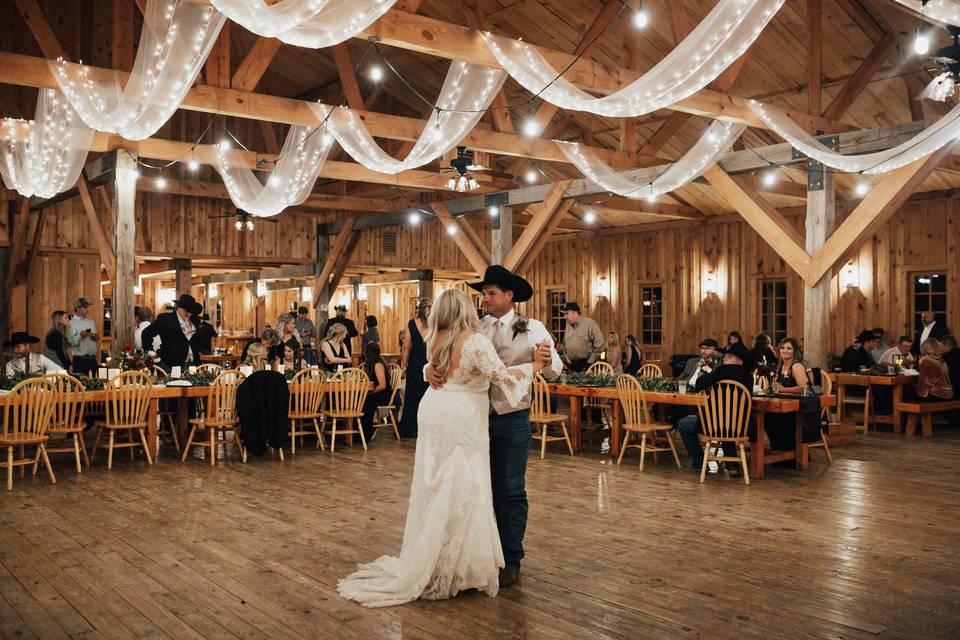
[866, 548]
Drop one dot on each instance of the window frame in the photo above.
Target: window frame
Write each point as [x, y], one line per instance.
[914, 311]
[775, 335]
[554, 316]
[649, 333]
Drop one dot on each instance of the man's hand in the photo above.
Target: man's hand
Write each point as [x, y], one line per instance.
[434, 378]
[543, 353]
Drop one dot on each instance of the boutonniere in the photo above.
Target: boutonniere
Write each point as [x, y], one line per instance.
[520, 326]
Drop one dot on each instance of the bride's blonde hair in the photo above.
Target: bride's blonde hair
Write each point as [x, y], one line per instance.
[453, 313]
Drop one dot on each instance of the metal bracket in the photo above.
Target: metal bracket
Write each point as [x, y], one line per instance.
[814, 168]
[496, 200]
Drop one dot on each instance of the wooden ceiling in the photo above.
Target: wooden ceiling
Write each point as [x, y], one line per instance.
[865, 56]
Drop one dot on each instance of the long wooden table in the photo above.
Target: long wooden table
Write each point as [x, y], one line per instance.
[759, 455]
[897, 382]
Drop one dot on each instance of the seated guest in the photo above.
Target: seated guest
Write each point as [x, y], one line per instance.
[582, 338]
[901, 350]
[951, 355]
[791, 378]
[55, 342]
[614, 354]
[734, 337]
[379, 395]
[290, 357]
[882, 346]
[203, 338]
[634, 359]
[25, 361]
[737, 366]
[333, 351]
[762, 353]
[933, 383]
[256, 356]
[932, 328]
[176, 331]
[858, 353]
[697, 365]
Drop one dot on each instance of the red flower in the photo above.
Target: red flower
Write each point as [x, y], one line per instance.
[128, 347]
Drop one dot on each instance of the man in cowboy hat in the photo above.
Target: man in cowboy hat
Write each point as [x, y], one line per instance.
[25, 360]
[518, 340]
[83, 337]
[582, 338]
[858, 353]
[176, 331]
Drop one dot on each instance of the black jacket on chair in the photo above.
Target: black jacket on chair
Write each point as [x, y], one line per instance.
[262, 408]
[174, 345]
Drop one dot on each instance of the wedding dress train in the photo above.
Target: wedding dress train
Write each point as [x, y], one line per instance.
[450, 541]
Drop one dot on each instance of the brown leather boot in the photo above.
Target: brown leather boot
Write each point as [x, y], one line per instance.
[509, 576]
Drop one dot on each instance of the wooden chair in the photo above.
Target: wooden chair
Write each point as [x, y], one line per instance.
[166, 410]
[649, 370]
[594, 404]
[219, 417]
[638, 419]
[826, 419]
[210, 367]
[27, 411]
[67, 418]
[345, 398]
[394, 373]
[724, 417]
[306, 395]
[540, 415]
[127, 402]
[864, 402]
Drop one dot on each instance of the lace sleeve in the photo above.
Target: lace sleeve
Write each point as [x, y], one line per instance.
[482, 360]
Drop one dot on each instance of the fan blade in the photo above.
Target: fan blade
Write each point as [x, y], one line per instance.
[939, 89]
[477, 167]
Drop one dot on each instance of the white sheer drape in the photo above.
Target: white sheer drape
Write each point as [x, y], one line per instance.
[722, 37]
[466, 92]
[305, 23]
[943, 10]
[707, 151]
[175, 41]
[44, 156]
[924, 143]
[304, 152]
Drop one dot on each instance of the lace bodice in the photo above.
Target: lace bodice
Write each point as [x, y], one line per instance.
[480, 366]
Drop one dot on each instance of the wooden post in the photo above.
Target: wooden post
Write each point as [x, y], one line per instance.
[124, 238]
[259, 309]
[502, 236]
[820, 223]
[425, 287]
[184, 272]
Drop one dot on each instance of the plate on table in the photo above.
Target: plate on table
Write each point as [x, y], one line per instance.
[179, 383]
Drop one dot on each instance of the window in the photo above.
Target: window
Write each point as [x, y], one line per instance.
[773, 309]
[651, 315]
[929, 294]
[555, 300]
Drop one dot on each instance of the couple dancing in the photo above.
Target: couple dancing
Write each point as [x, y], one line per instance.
[468, 507]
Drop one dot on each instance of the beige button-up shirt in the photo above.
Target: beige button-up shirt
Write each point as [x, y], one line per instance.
[518, 350]
[583, 341]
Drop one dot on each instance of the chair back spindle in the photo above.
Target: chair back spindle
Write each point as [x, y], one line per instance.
[725, 410]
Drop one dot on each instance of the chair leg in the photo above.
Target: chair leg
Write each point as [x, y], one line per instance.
[96, 444]
[866, 412]
[826, 447]
[130, 440]
[213, 445]
[186, 447]
[706, 458]
[643, 449]
[173, 434]
[146, 449]
[110, 451]
[623, 447]
[9, 468]
[743, 464]
[363, 439]
[76, 451]
[393, 422]
[316, 429]
[543, 441]
[676, 458]
[83, 449]
[36, 462]
[566, 437]
[46, 462]
[333, 436]
[293, 437]
[23, 456]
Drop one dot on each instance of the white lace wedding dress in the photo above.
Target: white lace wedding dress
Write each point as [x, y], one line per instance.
[450, 542]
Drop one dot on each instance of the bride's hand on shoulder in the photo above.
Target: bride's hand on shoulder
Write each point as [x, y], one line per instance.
[434, 377]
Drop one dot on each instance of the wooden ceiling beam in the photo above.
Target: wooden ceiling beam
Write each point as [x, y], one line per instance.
[542, 219]
[469, 248]
[107, 256]
[255, 64]
[858, 81]
[814, 56]
[340, 245]
[348, 77]
[40, 28]
[544, 236]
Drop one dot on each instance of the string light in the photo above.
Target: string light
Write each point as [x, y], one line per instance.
[249, 225]
[651, 198]
[493, 210]
[530, 127]
[238, 225]
[640, 18]
[769, 178]
[193, 165]
[945, 11]
[273, 181]
[224, 145]
[530, 176]
[921, 44]
[414, 218]
[589, 216]
[451, 230]
[375, 73]
[862, 189]
[161, 182]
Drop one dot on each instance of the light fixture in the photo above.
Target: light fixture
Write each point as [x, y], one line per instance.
[224, 145]
[769, 178]
[603, 287]
[463, 183]
[386, 299]
[326, 138]
[193, 165]
[850, 276]
[530, 128]
[414, 217]
[530, 176]
[249, 225]
[261, 288]
[493, 210]
[375, 73]
[640, 18]
[274, 181]
[921, 44]
[651, 198]
[451, 230]
[238, 225]
[589, 216]
[138, 288]
[213, 291]
[307, 294]
[861, 189]
[710, 283]
[362, 292]
[161, 182]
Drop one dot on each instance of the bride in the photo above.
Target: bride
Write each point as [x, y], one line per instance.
[450, 542]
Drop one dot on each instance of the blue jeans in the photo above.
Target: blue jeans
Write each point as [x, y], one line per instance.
[689, 428]
[308, 356]
[509, 447]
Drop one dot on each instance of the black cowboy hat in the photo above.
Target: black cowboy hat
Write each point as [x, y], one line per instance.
[570, 306]
[501, 277]
[188, 302]
[739, 350]
[20, 337]
[865, 336]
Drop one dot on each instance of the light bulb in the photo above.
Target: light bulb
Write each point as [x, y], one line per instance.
[769, 178]
[161, 182]
[375, 73]
[326, 139]
[530, 127]
[249, 225]
[452, 184]
[651, 198]
[493, 210]
[861, 189]
[238, 225]
[589, 217]
[921, 44]
[530, 175]
[224, 145]
[193, 165]
[640, 18]
[451, 230]
[414, 218]
[274, 181]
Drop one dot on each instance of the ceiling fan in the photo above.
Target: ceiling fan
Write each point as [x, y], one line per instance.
[944, 85]
[464, 168]
[244, 219]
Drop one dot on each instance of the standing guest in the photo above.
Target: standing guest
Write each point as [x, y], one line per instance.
[25, 361]
[144, 318]
[582, 338]
[882, 346]
[82, 336]
[333, 352]
[341, 318]
[931, 329]
[933, 383]
[413, 358]
[614, 353]
[737, 366]
[951, 356]
[372, 334]
[287, 334]
[733, 338]
[176, 331]
[858, 353]
[203, 338]
[890, 355]
[762, 353]
[379, 395]
[305, 329]
[633, 355]
[55, 342]
[697, 365]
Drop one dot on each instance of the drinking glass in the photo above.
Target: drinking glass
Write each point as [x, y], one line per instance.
[682, 386]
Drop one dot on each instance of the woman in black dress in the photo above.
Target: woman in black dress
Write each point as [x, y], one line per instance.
[379, 395]
[632, 365]
[55, 342]
[333, 350]
[414, 359]
[791, 378]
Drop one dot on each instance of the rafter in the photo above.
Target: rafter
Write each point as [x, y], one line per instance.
[107, 256]
[858, 81]
[542, 219]
[340, 246]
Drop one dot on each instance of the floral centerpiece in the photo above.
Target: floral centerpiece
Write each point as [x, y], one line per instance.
[582, 379]
[91, 384]
[662, 385]
[766, 371]
[201, 377]
[133, 358]
[9, 382]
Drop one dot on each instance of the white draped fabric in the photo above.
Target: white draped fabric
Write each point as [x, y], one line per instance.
[305, 23]
[707, 151]
[466, 92]
[924, 143]
[175, 41]
[304, 152]
[44, 156]
[947, 11]
[722, 37]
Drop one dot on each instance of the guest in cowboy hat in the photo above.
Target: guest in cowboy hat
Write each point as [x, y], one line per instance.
[341, 318]
[176, 331]
[24, 360]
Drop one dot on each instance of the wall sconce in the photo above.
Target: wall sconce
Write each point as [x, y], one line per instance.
[850, 276]
[603, 287]
[213, 291]
[362, 292]
[306, 294]
[166, 296]
[710, 283]
[138, 288]
[386, 299]
[261, 288]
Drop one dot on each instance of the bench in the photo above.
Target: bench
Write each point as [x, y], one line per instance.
[925, 410]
